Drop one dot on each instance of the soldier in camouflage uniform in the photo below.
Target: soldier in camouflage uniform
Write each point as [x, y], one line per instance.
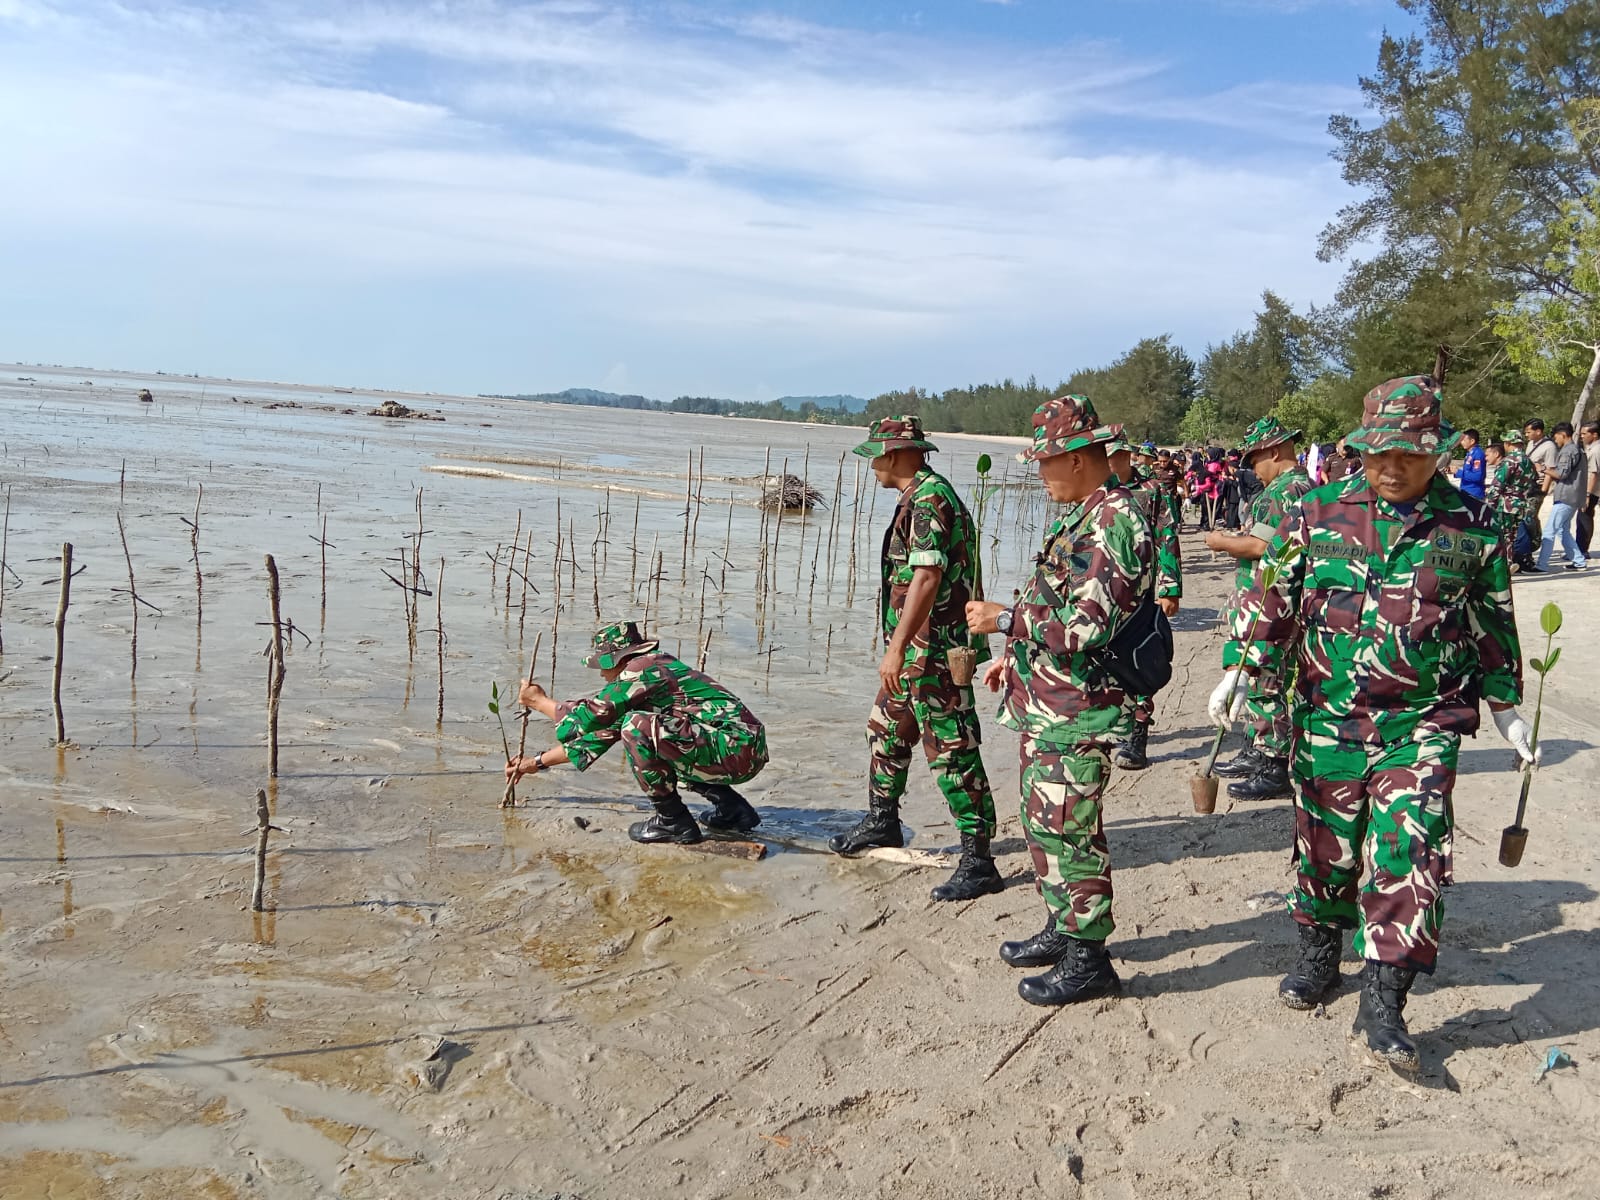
[1159, 511]
[1262, 770]
[930, 570]
[1389, 590]
[1097, 566]
[1517, 493]
[674, 723]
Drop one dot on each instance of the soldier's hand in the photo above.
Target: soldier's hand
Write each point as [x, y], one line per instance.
[994, 675]
[1168, 605]
[891, 671]
[530, 695]
[524, 764]
[1519, 734]
[1214, 541]
[981, 615]
[1227, 698]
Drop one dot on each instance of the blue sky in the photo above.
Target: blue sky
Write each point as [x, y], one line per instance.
[740, 200]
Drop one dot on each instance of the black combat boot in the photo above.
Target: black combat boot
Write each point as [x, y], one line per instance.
[880, 827]
[1043, 949]
[1270, 782]
[1083, 973]
[729, 810]
[672, 823]
[975, 875]
[1131, 754]
[1381, 1015]
[1243, 765]
[1316, 971]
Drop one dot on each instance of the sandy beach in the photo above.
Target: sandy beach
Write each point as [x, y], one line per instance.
[448, 998]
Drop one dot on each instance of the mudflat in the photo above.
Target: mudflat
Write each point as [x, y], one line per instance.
[443, 997]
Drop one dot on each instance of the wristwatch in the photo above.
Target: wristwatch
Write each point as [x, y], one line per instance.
[1003, 619]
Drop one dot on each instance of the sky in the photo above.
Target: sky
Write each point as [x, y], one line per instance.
[695, 197]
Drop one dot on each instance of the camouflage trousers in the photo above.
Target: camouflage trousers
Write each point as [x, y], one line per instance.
[1061, 788]
[662, 748]
[1372, 840]
[1266, 716]
[935, 711]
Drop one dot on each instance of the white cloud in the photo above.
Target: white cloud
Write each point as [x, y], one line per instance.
[758, 176]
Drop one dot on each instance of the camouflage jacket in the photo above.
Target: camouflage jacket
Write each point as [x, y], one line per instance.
[1513, 489]
[1267, 512]
[1398, 622]
[932, 528]
[1158, 509]
[687, 700]
[1097, 565]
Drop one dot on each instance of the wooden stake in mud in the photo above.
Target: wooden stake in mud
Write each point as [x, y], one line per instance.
[509, 800]
[438, 603]
[516, 540]
[264, 826]
[275, 668]
[5, 546]
[122, 481]
[633, 571]
[61, 640]
[688, 508]
[699, 493]
[322, 544]
[194, 553]
[805, 492]
[705, 649]
[527, 565]
[855, 520]
[133, 599]
[777, 531]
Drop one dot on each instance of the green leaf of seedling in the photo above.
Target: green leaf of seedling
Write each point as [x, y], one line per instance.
[1550, 619]
[984, 464]
[1537, 665]
[494, 708]
[494, 691]
[1549, 663]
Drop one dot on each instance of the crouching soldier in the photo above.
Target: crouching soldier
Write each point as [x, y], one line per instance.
[674, 723]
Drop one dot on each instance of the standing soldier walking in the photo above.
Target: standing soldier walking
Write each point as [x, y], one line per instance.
[1142, 482]
[1390, 591]
[1097, 566]
[1262, 770]
[930, 571]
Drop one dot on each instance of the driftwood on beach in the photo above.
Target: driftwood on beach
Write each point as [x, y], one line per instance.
[788, 493]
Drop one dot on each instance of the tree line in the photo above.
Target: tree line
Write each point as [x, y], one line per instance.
[1473, 251]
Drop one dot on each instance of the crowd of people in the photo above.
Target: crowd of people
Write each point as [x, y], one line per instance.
[1371, 619]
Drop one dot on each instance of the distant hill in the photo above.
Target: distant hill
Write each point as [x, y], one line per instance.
[820, 409]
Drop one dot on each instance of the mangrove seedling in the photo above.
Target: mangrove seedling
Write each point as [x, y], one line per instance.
[1515, 836]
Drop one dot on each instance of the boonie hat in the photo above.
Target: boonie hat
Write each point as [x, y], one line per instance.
[616, 643]
[894, 433]
[1065, 424]
[1403, 414]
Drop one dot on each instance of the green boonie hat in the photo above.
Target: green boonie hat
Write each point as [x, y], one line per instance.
[1403, 414]
[617, 643]
[1512, 437]
[1264, 435]
[1147, 449]
[1119, 443]
[894, 433]
[1065, 424]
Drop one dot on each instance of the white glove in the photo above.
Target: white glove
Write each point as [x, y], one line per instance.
[1518, 733]
[1227, 700]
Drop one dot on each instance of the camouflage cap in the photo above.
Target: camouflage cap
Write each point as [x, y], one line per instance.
[1119, 444]
[1512, 437]
[1065, 424]
[1264, 435]
[1147, 449]
[615, 644]
[1403, 414]
[894, 433]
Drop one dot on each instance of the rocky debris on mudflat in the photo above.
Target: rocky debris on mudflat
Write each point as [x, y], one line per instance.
[394, 409]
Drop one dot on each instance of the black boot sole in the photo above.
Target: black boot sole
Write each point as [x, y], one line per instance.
[1130, 764]
[640, 832]
[1055, 998]
[981, 887]
[1408, 1063]
[1031, 960]
[841, 845]
[740, 825]
[1305, 1002]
